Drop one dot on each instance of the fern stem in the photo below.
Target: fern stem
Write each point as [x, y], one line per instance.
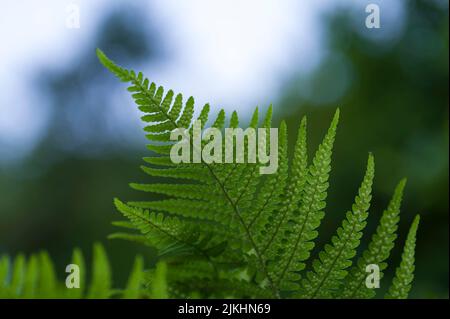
[247, 231]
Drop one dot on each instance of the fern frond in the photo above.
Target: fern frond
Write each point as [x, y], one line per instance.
[168, 234]
[101, 275]
[31, 278]
[187, 191]
[4, 271]
[185, 208]
[48, 281]
[378, 250]
[404, 275]
[121, 73]
[299, 241]
[159, 288]
[192, 173]
[224, 225]
[18, 277]
[148, 102]
[133, 289]
[269, 198]
[159, 161]
[137, 238]
[291, 197]
[330, 268]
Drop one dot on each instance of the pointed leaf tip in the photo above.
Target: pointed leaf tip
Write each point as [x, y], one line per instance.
[336, 116]
[304, 120]
[416, 221]
[101, 56]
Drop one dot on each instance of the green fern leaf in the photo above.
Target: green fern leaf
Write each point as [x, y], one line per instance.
[135, 280]
[404, 275]
[4, 271]
[291, 197]
[18, 276]
[100, 287]
[299, 242]
[31, 277]
[226, 231]
[47, 277]
[159, 284]
[378, 250]
[329, 269]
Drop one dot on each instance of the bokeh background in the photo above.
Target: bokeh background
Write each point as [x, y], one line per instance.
[71, 140]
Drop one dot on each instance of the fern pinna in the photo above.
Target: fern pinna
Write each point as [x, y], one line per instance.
[227, 231]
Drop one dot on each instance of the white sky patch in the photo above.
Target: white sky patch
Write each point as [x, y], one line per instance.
[33, 34]
[233, 53]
